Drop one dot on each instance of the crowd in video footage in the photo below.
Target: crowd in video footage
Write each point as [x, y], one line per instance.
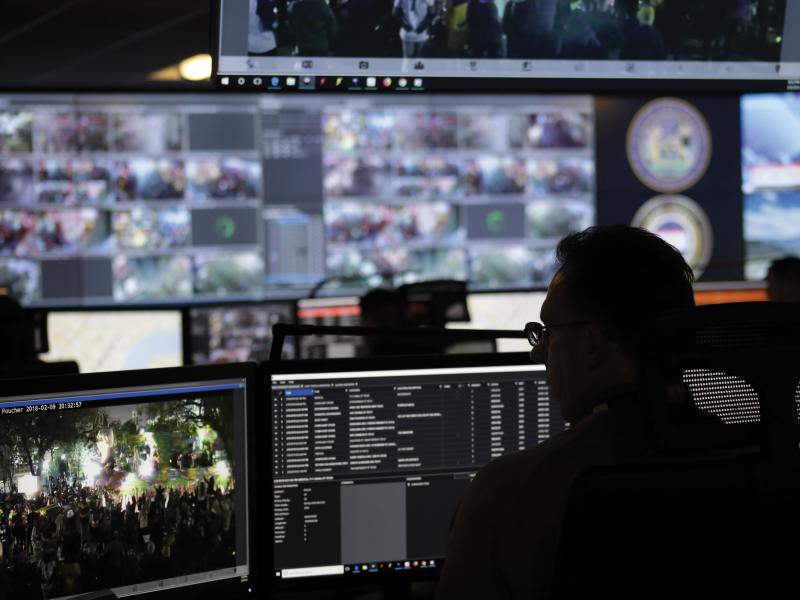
[94, 498]
[119, 185]
[402, 189]
[770, 179]
[727, 30]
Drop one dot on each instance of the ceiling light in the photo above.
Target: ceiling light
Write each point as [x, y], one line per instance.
[196, 68]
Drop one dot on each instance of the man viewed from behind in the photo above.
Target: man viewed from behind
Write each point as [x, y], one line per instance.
[611, 281]
[783, 280]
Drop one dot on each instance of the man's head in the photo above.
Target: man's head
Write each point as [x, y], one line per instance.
[783, 280]
[382, 308]
[611, 281]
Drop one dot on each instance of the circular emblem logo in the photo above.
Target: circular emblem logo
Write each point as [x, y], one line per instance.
[682, 223]
[669, 145]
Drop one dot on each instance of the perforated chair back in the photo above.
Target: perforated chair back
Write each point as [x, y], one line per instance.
[717, 513]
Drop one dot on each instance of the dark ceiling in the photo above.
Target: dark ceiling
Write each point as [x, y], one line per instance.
[99, 44]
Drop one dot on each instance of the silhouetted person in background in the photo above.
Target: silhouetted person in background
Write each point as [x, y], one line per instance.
[385, 309]
[314, 26]
[783, 280]
[485, 34]
[611, 281]
[415, 17]
[530, 28]
[17, 346]
[643, 41]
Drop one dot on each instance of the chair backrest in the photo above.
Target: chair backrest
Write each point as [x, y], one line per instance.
[717, 512]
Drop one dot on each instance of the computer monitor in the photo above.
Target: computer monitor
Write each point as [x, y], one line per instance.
[770, 179]
[235, 333]
[137, 481]
[335, 310]
[369, 459]
[115, 340]
[506, 45]
[246, 198]
[509, 310]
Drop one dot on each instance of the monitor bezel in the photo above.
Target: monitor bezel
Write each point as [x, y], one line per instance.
[168, 376]
[269, 369]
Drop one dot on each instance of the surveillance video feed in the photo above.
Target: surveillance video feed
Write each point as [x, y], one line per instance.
[74, 181]
[111, 494]
[54, 232]
[151, 229]
[20, 279]
[227, 274]
[214, 179]
[412, 195]
[150, 179]
[100, 193]
[147, 133]
[16, 132]
[513, 266]
[16, 181]
[152, 278]
[67, 132]
[494, 40]
[237, 333]
[174, 199]
[770, 179]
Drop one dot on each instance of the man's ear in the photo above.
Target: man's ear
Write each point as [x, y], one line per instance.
[593, 343]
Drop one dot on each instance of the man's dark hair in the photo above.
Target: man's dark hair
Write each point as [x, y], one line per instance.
[787, 268]
[381, 300]
[621, 277]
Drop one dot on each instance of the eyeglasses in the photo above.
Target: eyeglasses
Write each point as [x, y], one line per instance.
[537, 332]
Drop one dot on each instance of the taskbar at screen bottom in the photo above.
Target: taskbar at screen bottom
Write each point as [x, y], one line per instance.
[231, 574]
[363, 568]
[418, 83]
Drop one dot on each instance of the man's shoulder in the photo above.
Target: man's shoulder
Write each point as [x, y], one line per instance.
[513, 470]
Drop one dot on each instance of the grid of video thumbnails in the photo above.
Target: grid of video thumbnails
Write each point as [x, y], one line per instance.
[135, 491]
[127, 204]
[248, 198]
[457, 192]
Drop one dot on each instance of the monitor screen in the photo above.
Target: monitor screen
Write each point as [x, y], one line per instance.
[252, 198]
[126, 484]
[113, 340]
[509, 311]
[344, 311]
[237, 333]
[369, 465]
[506, 45]
[770, 179]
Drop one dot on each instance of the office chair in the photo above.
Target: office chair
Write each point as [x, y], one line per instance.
[718, 512]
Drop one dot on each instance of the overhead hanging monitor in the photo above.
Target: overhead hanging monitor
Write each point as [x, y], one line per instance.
[136, 482]
[507, 45]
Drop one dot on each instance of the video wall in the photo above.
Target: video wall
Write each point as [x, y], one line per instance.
[183, 199]
[178, 200]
